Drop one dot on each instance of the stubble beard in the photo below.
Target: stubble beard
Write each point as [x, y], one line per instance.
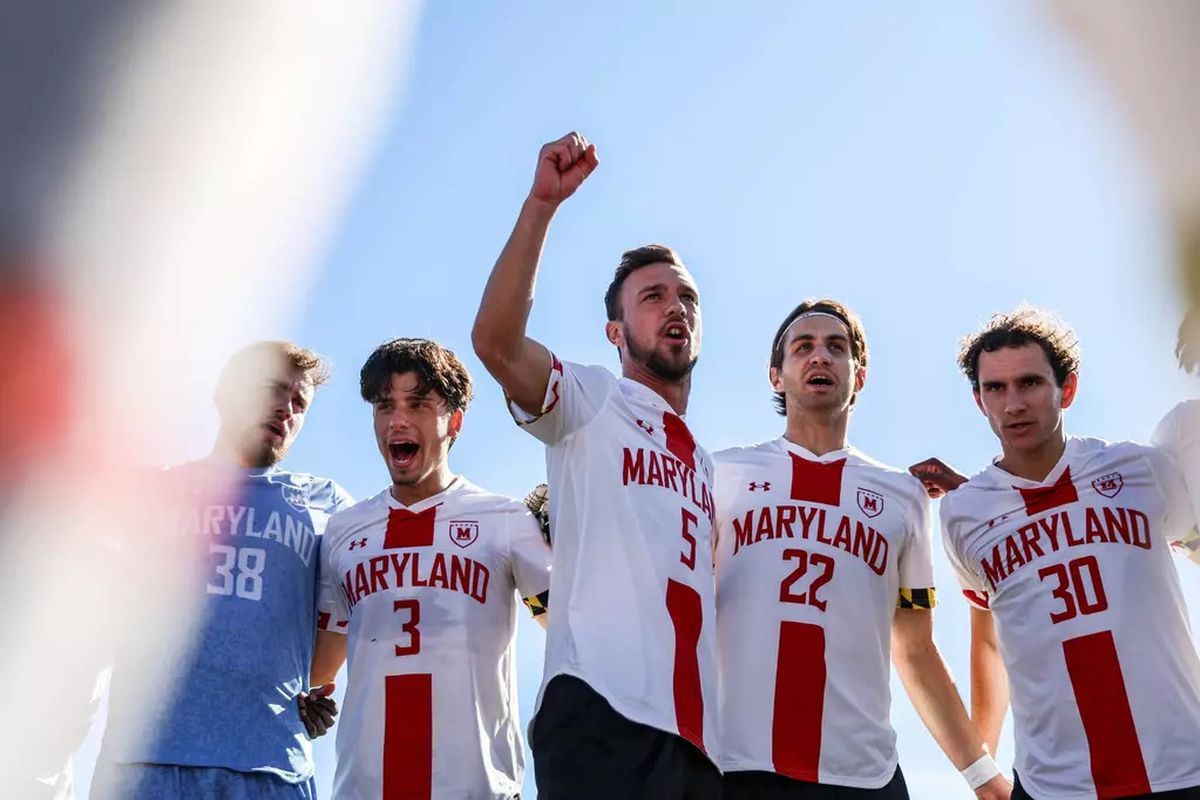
[658, 364]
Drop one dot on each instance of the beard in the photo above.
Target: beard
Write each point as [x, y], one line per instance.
[260, 454]
[664, 367]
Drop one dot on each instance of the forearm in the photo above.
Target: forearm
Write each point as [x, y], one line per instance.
[989, 695]
[499, 331]
[328, 657]
[931, 688]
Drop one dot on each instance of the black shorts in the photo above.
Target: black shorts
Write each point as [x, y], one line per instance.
[773, 786]
[1190, 793]
[583, 749]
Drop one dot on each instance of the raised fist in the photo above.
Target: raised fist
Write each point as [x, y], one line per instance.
[562, 166]
[937, 476]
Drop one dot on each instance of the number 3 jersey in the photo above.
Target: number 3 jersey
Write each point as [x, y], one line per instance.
[1092, 627]
[814, 555]
[426, 595]
[254, 642]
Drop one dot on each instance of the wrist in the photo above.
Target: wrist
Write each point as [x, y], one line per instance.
[981, 771]
[539, 208]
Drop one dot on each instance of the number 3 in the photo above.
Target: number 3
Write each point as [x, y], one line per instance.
[414, 634]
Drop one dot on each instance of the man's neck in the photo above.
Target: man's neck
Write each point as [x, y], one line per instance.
[817, 434]
[1035, 464]
[411, 494]
[674, 392]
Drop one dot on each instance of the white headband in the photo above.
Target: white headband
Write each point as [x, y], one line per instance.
[805, 315]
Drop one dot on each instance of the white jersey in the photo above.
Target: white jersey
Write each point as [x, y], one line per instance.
[1093, 630]
[814, 555]
[426, 597]
[1178, 435]
[631, 514]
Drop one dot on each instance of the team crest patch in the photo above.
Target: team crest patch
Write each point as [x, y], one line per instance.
[870, 503]
[1109, 485]
[298, 496]
[464, 532]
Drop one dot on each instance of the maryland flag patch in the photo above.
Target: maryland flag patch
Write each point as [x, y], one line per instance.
[917, 598]
[537, 604]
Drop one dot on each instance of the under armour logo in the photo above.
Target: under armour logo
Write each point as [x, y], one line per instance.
[997, 520]
[765, 486]
[647, 427]
[358, 543]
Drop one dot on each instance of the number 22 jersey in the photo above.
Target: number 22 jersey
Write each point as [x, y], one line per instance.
[814, 555]
[426, 595]
[1093, 630]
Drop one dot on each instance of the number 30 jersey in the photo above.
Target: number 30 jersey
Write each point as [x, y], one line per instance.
[814, 555]
[1093, 630]
[427, 597]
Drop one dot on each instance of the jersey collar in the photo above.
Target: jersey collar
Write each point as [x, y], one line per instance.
[647, 395]
[1008, 479]
[457, 485]
[833, 455]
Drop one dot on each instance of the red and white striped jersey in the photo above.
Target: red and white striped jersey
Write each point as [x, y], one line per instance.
[1093, 630]
[426, 597]
[631, 515]
[814, 554]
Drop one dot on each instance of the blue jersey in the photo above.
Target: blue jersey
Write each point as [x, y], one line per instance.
[234, 704]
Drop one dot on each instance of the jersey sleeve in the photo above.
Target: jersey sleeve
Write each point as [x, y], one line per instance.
[530, 559]
[973, 587]
[574, 396]
[333, 611]
[916, 559]
[1180, 528]
[341, 498]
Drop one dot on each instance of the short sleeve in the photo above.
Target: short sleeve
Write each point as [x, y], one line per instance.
[333, 610]
[916, 559]
[530, 559]
[341, 498]
[973, 587]
[575, 394]
[1180, 526]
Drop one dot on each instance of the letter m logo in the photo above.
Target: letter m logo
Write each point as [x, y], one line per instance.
[464, 532]
[870, 503]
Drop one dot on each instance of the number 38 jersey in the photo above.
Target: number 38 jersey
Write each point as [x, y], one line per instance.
[1093, 631]
[814, 555]
[426, 597]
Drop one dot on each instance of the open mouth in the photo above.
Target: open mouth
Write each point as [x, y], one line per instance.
[403, 453]
[275, 428]
[819, 380]
[675, 332]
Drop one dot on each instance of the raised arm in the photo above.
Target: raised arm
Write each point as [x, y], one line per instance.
[520, 364]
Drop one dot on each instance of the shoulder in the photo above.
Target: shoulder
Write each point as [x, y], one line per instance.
[746, 454]
[317, 492]
[894, 480]
[355, 516]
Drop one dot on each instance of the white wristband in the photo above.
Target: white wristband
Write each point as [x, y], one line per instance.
[981, 771]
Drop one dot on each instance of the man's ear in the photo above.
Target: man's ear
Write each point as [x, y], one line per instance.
[456, 422]
[1069, 388]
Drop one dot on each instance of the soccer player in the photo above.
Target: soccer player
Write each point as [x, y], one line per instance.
[253, 648]
[419, 588]
[1179, 432]
[1061, 546]
[824, 569]
[628, 697]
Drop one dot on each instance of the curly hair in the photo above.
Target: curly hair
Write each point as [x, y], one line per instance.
[1024, 325]
[437, 369]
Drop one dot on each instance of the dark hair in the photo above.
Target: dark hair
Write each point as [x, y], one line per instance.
[437, 369]
[1025, 325]
[858, 336]
[1187, 346]
[247, 366]
[631, 261]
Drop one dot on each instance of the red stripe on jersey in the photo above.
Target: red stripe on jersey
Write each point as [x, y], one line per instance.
[679, 439]
[1118, 768]
[406, 529]
[1044, 498]
[817, 481]
[323, 620]
[799, 701]
[683, 604]
[979, 599]
[408, 736]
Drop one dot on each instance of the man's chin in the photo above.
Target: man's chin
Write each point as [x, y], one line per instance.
[671, 369]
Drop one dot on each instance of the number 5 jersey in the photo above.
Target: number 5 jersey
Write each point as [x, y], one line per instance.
[1092, 626]
[426, 595]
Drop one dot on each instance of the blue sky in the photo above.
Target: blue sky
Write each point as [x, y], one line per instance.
[925, 163]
